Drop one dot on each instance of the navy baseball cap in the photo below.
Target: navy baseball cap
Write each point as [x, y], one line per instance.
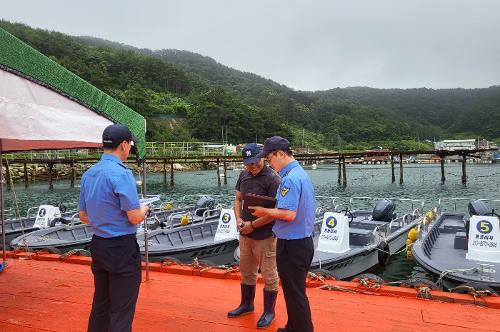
[250, 153]
[274, 143]
[114, 134]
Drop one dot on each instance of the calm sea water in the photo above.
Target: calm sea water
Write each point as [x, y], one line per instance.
[420, 182]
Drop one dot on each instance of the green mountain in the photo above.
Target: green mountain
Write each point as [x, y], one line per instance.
[187, 96]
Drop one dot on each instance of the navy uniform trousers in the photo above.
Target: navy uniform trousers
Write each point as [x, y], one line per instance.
[293, 259]
[116, 265]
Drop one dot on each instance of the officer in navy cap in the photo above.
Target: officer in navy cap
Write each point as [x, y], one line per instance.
[109, 202]
[257, 242]
[294, 217]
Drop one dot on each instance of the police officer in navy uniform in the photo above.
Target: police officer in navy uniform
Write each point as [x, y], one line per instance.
[294, 217]
[257, 242]
[110, 203]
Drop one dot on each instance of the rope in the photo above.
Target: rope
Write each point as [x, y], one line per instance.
[331, 287]
[73, 252]
[229, 269]
[446, 272]
[327, 286]
[402, 250]
[18, 214]
[424, 292]
[195, 264]
[11, 183]
[314, 276]
[474, 292]
[369, 283]
[399, 282]
[377, 248]
[397, 252]
[168, 262]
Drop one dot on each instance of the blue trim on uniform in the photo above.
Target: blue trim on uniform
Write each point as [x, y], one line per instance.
[107, 191]
[296, 193]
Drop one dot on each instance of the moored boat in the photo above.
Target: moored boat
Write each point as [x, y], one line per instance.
[189, 242]
[462, 252]
[372, 235]
[46, 216]
[63, 237]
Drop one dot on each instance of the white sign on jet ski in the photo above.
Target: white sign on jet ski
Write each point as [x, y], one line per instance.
[484, 239]
[227, 226]
[45, 215]
[334, 233]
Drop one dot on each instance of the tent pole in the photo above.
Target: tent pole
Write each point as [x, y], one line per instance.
[146, 231]
[144, 178]
[1, 204]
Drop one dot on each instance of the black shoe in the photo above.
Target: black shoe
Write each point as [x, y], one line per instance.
[246, 305]
[269, 304]
[285, 329]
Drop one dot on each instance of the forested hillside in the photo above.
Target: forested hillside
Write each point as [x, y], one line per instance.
[187, 96]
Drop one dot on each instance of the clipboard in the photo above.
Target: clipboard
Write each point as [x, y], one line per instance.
[259, 200]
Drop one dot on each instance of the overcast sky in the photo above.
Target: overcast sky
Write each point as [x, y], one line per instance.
[306, 45]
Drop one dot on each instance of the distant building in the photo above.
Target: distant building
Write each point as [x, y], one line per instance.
[485, 144]
[456, 144]
[383, 155]
[493, 156]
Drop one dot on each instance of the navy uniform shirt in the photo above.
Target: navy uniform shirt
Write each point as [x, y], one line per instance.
[296, 193]
[107, 191]
[266, 184]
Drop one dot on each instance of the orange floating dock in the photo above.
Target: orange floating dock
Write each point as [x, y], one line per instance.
[46, 294]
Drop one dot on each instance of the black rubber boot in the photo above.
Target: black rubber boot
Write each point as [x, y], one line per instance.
[269, 304]
[246, 305]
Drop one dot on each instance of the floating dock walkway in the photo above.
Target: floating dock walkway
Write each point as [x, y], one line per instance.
[45, 293]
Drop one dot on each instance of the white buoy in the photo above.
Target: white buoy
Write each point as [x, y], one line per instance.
[314, 166]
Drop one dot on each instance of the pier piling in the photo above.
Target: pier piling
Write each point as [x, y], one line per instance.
[49, 170]
[25, 171]
[400, 168]
[464, 171]
[218, 172]
[393, 177]
[344, 173]
[340, 171]
[443, 178]
[225, 172]
[8, 175]
[73, 174]
[171, 173]
[164, 182]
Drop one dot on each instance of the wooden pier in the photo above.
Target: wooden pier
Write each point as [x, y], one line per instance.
[221, 163]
